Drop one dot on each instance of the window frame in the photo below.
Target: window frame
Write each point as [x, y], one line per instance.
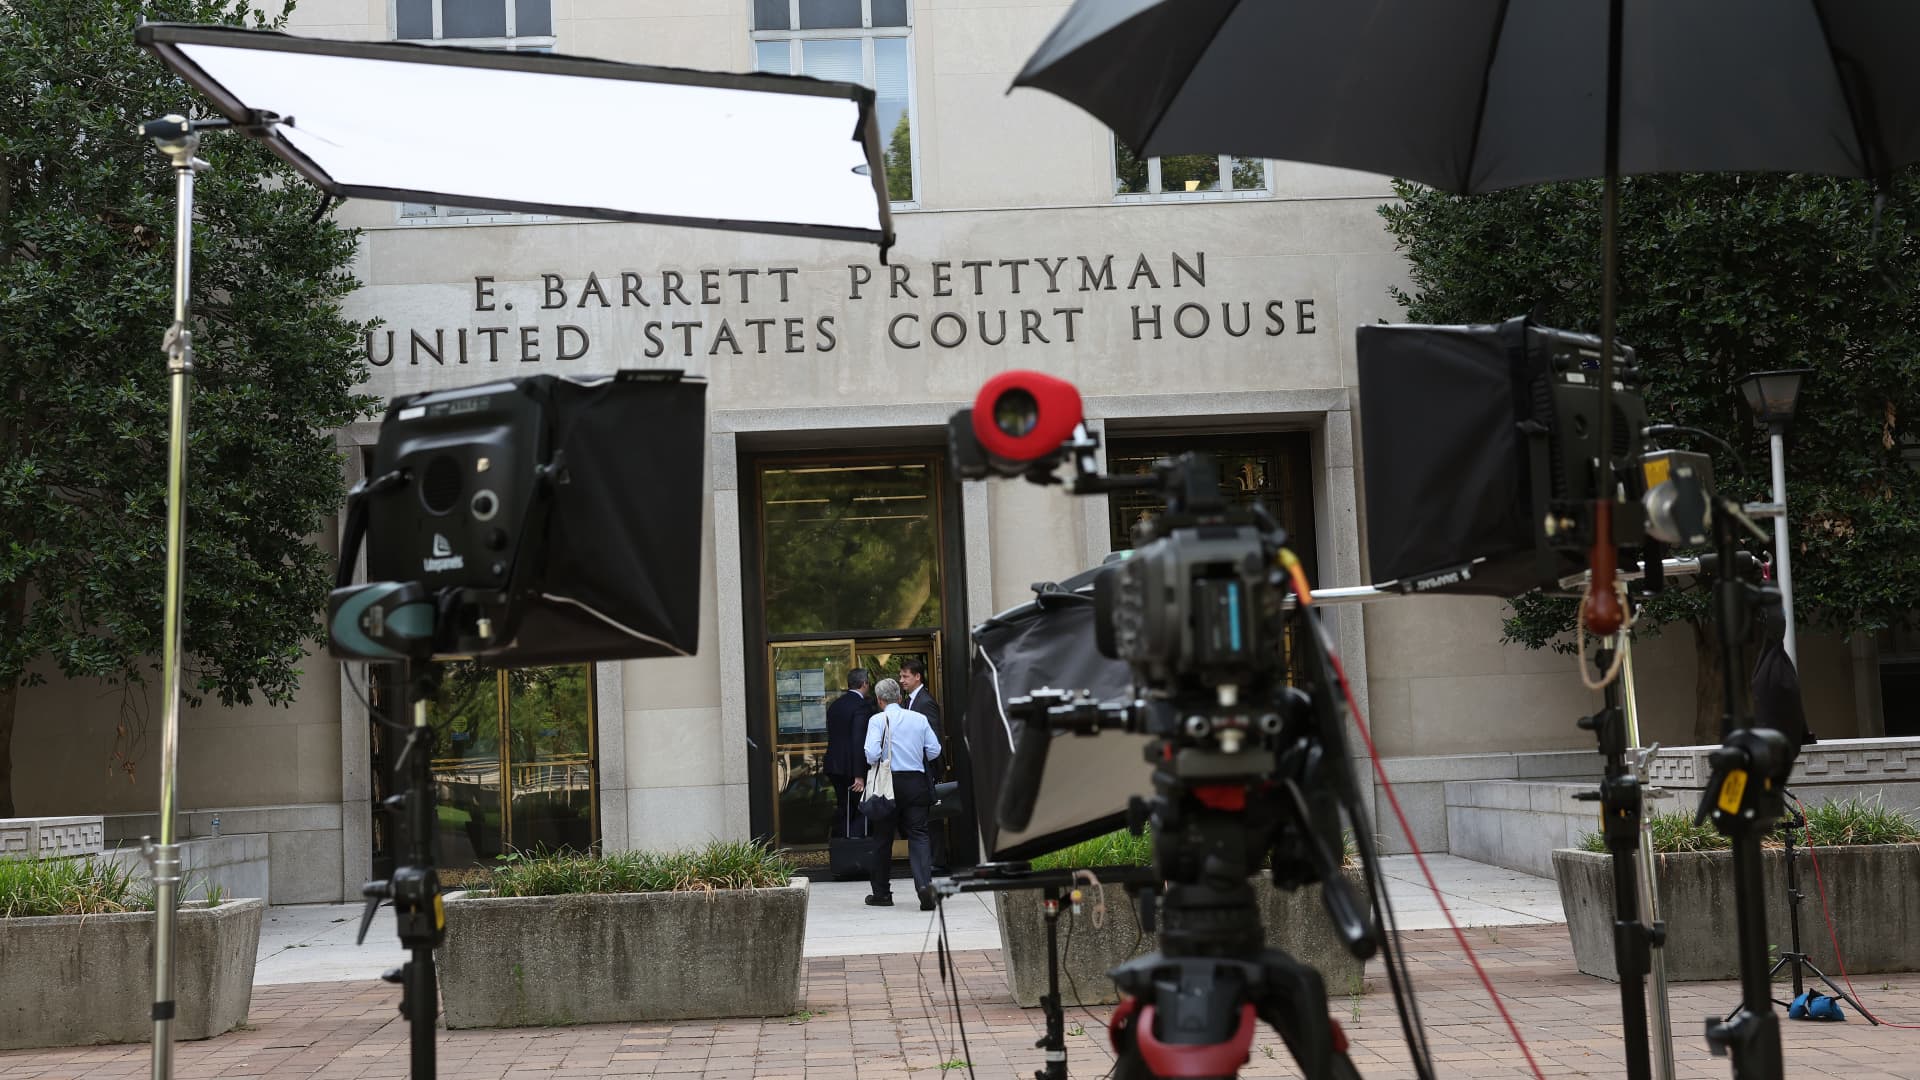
[1154, 192]
[866, 33]
[512, 42]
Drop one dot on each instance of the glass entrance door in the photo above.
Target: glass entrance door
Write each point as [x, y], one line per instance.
[808, 676]
[851, 575]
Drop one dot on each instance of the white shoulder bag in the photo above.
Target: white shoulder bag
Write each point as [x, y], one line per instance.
[876, 800]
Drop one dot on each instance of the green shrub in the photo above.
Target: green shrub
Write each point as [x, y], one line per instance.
[722, 864]
[1860, 821]
[36, 887]
[1114, 849]
[1829, 824]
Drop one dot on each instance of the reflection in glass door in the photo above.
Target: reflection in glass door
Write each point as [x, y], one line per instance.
[807, 677]
[513, 763]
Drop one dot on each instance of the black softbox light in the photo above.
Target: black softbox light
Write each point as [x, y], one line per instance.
[1469, 435]
[1049, 642]
[576, 501]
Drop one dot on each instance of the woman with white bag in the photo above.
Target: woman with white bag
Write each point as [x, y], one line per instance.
[898, 793]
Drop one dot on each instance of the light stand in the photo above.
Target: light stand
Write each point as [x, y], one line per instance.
[1794, 955]
[1620, 816]
[414, 888]
[177, 138]
[1744, 797]
[1773, 396]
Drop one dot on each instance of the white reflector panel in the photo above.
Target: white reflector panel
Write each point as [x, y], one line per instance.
[550, 134]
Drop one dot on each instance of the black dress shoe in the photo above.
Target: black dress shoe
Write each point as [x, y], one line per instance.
[926, 899]
[879, 901]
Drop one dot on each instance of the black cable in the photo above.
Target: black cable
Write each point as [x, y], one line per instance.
[1399, 977]
[953, 988]
[933, 1006]
[346, 672]
[1683, 429]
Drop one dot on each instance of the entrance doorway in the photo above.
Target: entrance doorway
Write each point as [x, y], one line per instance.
[856, 559]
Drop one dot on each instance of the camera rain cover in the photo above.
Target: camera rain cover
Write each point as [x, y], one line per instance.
[1049, 642]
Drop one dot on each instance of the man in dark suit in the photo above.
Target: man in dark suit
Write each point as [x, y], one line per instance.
[916, 697]
[846, 763]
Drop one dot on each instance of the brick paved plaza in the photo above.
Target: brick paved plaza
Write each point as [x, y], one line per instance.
[872, 1017]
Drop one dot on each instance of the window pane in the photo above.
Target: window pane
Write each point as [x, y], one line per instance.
[891, 98]
[773, 56]
[889, 12]
[850, 548]
[466, 765]
[821, 14]
[1190, 172]
[532, 18]
[1129, 170]
[771, 15]
[413, 19]
[473, 18]
[1249, 174]
[833, 58]
[550, 752]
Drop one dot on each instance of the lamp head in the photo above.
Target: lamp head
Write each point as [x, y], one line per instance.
[1773, 396]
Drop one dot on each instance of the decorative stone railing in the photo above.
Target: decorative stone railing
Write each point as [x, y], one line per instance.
[51, 837]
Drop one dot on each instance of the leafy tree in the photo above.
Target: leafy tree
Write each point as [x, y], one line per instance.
[86, 256]
[1720, 276]
[899, 162]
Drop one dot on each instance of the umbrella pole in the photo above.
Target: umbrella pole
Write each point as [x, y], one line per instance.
[1603, 612]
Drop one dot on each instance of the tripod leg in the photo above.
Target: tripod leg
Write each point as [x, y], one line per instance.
[1839, 993]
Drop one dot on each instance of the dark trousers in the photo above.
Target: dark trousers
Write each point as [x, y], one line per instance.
[912, 795]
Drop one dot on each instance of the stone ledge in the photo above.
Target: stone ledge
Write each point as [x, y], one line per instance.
[51, 837]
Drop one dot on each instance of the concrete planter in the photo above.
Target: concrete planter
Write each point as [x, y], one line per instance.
[612, 958]
[1876, 909]
[77, 980]
[1296, 923]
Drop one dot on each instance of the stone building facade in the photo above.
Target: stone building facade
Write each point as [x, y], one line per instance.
[1193, 301]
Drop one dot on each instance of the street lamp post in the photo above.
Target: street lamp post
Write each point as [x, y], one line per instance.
[1773, 396]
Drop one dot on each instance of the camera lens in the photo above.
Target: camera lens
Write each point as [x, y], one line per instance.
[1015, 412]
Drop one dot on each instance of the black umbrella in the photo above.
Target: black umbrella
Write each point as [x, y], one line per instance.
[1477, 95]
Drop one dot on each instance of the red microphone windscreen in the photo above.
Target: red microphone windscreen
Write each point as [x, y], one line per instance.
[1023, 416]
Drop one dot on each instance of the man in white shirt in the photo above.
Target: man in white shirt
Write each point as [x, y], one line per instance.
[909, 743]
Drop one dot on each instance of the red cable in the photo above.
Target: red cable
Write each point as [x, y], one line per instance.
[1360, 722]
[1827, 914]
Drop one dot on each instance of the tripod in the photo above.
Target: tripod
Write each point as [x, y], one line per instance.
[1010, 877]
[1796, 957]
[414, 888]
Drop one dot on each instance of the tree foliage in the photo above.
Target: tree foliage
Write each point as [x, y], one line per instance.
[1719, 276]
[86, 277]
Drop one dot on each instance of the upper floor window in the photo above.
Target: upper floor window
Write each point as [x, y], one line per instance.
[508, 25]
[862, 41]
[1188, 176]
[519, 25]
